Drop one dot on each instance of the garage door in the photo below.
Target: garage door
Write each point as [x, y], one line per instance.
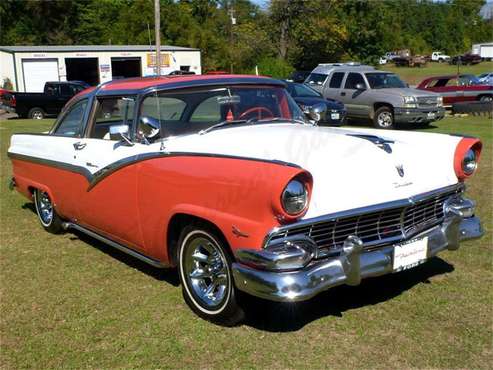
[37, 72]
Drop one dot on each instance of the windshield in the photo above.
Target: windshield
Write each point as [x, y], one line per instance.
[301, 91]
[384, 81]
[316, 79]
[191, 111]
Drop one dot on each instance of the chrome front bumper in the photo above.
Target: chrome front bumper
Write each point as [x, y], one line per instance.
[355, 262]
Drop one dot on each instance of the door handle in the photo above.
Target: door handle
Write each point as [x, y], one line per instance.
[343, 94]
[79, 146]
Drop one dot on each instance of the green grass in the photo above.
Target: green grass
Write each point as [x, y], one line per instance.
[69, 301]
[414, 76]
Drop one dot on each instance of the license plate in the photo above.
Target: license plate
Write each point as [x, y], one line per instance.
[335, 116]
[431, 115]
[410, 254]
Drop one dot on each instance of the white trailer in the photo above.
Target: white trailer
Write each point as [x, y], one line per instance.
[485, 50]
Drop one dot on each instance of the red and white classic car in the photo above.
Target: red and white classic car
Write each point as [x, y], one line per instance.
[222, 177]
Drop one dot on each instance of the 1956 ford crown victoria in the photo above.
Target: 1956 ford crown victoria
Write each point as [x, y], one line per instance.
[222, 177]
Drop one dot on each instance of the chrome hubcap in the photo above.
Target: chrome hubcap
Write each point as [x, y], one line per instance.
[385, 119]
[45, 208]
[206, 271]
[37, 115]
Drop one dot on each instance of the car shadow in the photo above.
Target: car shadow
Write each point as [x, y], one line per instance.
[162, 274]
[287, 317]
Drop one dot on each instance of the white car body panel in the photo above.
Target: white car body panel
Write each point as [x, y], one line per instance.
[348, 172]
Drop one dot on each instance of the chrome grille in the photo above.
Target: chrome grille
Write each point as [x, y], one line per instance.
[427, 102]
[374, 228]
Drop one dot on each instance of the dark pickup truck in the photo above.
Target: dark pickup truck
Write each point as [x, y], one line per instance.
[48, 103]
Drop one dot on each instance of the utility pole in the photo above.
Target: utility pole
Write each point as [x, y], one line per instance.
[231, 13]
[157, 30]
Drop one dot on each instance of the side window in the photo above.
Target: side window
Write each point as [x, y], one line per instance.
[335, 81]
[112, 111]
[163, 108]
[72, 123]
[65, 90]
[352, 80]
[207, 111]
[52, 89]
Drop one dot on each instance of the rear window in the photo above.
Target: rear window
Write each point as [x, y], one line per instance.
[335, 81]
[316, 79]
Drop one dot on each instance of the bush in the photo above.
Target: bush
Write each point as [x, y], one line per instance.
[274, 67]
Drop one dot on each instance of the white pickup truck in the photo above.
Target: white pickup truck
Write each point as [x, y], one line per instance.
[437, 56]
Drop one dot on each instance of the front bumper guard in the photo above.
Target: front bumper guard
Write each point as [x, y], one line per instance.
[354, 262]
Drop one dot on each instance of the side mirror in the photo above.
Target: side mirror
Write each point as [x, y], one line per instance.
[360, 87]
[318, 112]
[153, 127]
[118, 132]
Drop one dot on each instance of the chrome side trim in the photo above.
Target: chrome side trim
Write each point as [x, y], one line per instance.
[48, 162]
[97, 177]
[120, 247]
[122, 163]
[459, 187]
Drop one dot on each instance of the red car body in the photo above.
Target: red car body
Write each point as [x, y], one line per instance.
[454, 90]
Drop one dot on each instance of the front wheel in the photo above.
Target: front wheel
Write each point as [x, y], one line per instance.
[486, 98]
[205, 275]
[36, 113]
[384, 118]
[47, 215]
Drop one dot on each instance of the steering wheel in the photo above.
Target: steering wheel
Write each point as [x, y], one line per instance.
[259, 110]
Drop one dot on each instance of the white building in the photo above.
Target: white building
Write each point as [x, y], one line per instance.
[29, 67]
[485, 50]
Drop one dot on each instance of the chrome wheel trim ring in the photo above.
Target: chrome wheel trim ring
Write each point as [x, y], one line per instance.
[44, 208]
[385, 119]
[486, 98]
[205, 272]
[37, 115]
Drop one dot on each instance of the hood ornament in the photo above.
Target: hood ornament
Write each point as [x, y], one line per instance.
[400, 170]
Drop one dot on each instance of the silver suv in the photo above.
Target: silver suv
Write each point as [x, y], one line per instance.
[380, 96]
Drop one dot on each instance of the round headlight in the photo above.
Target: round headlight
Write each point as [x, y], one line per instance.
[469, 163]
[294, 197]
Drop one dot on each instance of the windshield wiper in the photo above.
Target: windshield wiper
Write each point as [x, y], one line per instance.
[250, 122]
[222, 124]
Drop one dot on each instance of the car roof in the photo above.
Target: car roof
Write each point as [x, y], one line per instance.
[327, 68]
[145, 84]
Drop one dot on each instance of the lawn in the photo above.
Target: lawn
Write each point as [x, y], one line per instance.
[414, 76]
[70, 301]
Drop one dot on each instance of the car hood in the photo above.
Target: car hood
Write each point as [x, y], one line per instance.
[348, 170]
[331, 104]
[405, 91]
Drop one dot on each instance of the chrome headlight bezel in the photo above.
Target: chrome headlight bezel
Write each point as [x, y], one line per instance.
[440, 101]
[294, 197]
[410, 100]
[469, 162]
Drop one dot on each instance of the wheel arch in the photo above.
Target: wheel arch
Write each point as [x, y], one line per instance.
[480, 96]
[175, 226]
[378, 105]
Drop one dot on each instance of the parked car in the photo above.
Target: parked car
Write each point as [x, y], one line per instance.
[222, 177]
[465, 59]
[455, 89]
[438, 56]
[307, 99]
[299, 76]
[48, 103]
[382, 60]
[380, 96]
[486, 78]
[181, 73]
